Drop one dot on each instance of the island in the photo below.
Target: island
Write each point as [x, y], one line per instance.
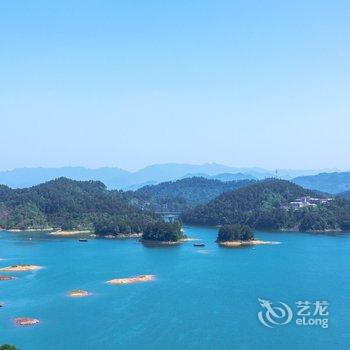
[77, 293]
[237, 235]
[20, 268]
[163, 233]
[26, 321]
[134, 279]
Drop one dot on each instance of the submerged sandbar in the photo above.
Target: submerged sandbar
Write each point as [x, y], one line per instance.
[77, 293]
[21, 268]
[6, 278]
[26, 321]
[134, 279]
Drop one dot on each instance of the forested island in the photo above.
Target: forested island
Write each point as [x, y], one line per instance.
[268, 204]
[235, 232]
[163, 232]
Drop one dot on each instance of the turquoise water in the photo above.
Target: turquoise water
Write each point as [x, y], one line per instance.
[202, 298]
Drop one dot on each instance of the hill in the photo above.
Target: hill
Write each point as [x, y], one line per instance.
[69, 204]
[182, 194]
[345, 195]
[335, 182]
[267, 205]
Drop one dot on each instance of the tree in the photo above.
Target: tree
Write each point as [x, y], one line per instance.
[163, 231]
[235, 232]
[8, 347]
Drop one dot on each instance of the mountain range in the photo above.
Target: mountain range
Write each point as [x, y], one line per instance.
[116, 178]
[333, 183]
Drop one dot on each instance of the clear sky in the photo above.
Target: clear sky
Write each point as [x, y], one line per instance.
[131, 83]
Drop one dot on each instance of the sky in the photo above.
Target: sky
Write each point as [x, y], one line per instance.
[132, 83]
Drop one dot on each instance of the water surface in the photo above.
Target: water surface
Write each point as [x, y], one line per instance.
[202, 298]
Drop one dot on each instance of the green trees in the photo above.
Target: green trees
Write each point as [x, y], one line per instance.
[8, 347]
[163, 232]
[264, 205]
[70, 205]
[235, 232]
[182, 194]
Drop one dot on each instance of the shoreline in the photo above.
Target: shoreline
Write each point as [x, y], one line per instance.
[235, 244]
[48, 229]
[149, 242]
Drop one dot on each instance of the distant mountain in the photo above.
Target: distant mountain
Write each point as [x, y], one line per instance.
[174, 171]
[27, 177]
[116, 178]
[262, 205]
[326, 182]
[182, 194]
[224, 176]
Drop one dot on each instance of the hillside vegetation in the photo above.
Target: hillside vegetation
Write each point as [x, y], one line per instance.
[182, 194]
[70, 204]
[262, 206]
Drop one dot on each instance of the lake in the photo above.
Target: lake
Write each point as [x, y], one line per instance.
[202, 298]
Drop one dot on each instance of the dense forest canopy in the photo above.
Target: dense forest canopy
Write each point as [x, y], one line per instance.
[70, 204]
[163, 232]
[182, 194]
[262, 205]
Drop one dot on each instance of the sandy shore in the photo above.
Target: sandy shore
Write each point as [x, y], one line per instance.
[130, 280]
[21, 268]
[69, 233]
[77, 293]
[26, 321]
[234, 244]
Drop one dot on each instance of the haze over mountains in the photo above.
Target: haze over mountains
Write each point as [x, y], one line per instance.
[116, 178]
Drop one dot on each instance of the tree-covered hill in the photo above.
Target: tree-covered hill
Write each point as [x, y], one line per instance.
[69, 204]
[264, 205]
[182, 194]
[345, 195]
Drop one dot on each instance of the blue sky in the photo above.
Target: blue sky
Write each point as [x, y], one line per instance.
[112, 83]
